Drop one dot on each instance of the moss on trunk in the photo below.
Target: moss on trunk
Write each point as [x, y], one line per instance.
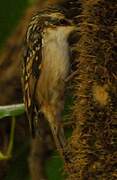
[91, 151]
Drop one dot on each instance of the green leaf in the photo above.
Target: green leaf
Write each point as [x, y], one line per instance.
[11, 110]
[4, 157]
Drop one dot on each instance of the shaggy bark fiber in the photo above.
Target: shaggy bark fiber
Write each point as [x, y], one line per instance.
[91, 151]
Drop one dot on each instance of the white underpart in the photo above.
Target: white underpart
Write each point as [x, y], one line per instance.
[56, 50]
[55, 61]
[50, 87]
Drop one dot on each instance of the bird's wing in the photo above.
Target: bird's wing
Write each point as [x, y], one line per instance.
[32, 58]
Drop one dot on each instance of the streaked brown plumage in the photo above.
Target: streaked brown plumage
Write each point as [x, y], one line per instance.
[45, 68]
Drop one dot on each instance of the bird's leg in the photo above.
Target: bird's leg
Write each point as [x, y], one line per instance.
[56, 127]
[71, 76]
[58, 135]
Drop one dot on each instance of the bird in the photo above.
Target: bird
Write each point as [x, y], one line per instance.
[46, 66]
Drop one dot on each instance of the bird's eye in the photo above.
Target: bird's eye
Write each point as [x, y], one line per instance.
[64, 22]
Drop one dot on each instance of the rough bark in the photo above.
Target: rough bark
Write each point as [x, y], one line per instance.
[91, 151]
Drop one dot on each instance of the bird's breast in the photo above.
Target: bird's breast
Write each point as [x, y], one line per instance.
[55, 62]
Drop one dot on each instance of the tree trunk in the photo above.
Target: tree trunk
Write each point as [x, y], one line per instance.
[91, 151]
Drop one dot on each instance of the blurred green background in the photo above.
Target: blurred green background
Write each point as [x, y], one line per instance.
[10, 13]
